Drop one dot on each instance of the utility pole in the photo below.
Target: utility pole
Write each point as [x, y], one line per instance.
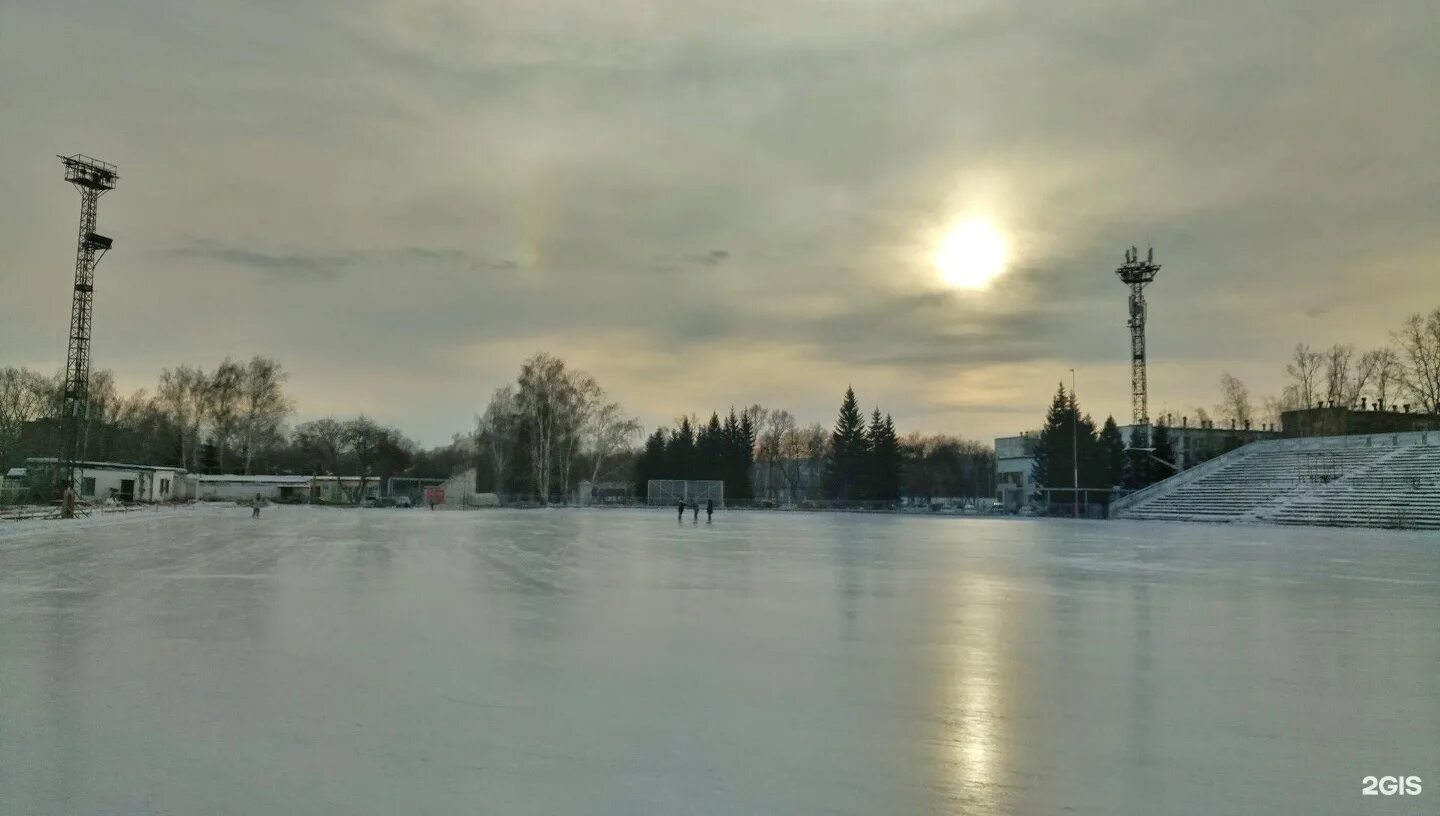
[1075, 446]
[93, 178]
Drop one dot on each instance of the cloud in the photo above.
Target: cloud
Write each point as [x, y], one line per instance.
[715, 183]
[279, 265]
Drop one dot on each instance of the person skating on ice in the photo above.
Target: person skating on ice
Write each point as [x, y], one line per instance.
[709, 510]
[680, 513]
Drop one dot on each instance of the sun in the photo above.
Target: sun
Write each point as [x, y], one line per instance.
[971, 255]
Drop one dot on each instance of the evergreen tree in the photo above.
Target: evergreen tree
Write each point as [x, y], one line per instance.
[1137, 461]
[680, 452]
[1068, 435]
[650, 463]
[1052, 466]
[887, 464]
[1164, 451]
[1094, 472]
[740, 454]
[1112, 452]
[845, 467]
[710, 450]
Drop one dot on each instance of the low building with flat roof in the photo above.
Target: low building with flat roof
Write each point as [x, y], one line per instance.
[122, 481]
[235, 487]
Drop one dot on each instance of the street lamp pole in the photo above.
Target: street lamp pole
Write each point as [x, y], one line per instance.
[1075, 447]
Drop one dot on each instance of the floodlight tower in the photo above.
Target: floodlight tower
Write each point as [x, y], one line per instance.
[1136, 273]
[93, 178]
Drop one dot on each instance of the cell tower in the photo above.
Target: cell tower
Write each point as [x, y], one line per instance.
[1136, 273]
[93, 178]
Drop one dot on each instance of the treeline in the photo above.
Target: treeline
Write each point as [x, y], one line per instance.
[723, 451]
[231, 419]
[1405, 373]
[227, 419]
[765, 454]
[537, 438]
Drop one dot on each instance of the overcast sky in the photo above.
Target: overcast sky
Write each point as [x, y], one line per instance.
[716, 202]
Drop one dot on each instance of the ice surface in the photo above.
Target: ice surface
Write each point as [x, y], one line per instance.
[615, 662]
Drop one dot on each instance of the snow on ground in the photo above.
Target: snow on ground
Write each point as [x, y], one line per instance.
[101, 517]
[326, 661]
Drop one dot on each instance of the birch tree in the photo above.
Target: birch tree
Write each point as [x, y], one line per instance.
[1304, 370]
[1235, 406]
[495, 432]
[542, 399]
[607, 432]
[25, 396]
[1382, 372]
[1419, 352]
[262, 404]
[181, 397]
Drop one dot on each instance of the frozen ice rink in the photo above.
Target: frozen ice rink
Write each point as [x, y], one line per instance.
[616, 662]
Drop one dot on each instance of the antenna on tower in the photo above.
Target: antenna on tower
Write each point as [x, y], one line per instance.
[92, 178]
[1136, 273]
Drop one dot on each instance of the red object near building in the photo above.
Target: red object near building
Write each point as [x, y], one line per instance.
[435, 495]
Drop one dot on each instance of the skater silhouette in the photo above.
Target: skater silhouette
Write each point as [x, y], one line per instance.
[680, 513]
[709, 510]
[696, 508]
[255, 507]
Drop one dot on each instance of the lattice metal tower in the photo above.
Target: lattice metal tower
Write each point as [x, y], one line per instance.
[1136, 273]
[93, 178]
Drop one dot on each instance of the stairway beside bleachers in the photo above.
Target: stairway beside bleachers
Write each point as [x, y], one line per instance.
[1385, 480]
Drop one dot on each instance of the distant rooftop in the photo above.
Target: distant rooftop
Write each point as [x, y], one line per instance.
[234, 478]
[50, 460]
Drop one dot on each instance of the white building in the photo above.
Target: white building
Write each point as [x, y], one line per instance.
[1014, 469]
[231, 487]
[125, 482]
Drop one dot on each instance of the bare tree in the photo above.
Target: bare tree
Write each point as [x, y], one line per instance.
[322, 442]
[365, 440]
[1419, 342]
[25, 396]
[607, 432]
[1339, 378]
[775, 429]
[1381, 372]
[223, 396]
[495, 432]
[1304, 371]
[578, 400]
[1235, 406]
[542, 399]
[262, 404]
[803, 452]
[182, 399]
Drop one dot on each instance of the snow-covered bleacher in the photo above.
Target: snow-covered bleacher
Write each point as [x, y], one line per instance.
[1381, 480]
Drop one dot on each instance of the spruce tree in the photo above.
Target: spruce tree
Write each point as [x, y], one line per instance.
[1112, 452]
[886, 456]
[1137, 461]
[1052, 466]
[845, 466]
[680, 452]
[1164, 451]
[651, 462]
[710, 450]
[740, 454]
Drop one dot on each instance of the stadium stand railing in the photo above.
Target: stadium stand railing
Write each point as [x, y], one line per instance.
[1377, 480]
